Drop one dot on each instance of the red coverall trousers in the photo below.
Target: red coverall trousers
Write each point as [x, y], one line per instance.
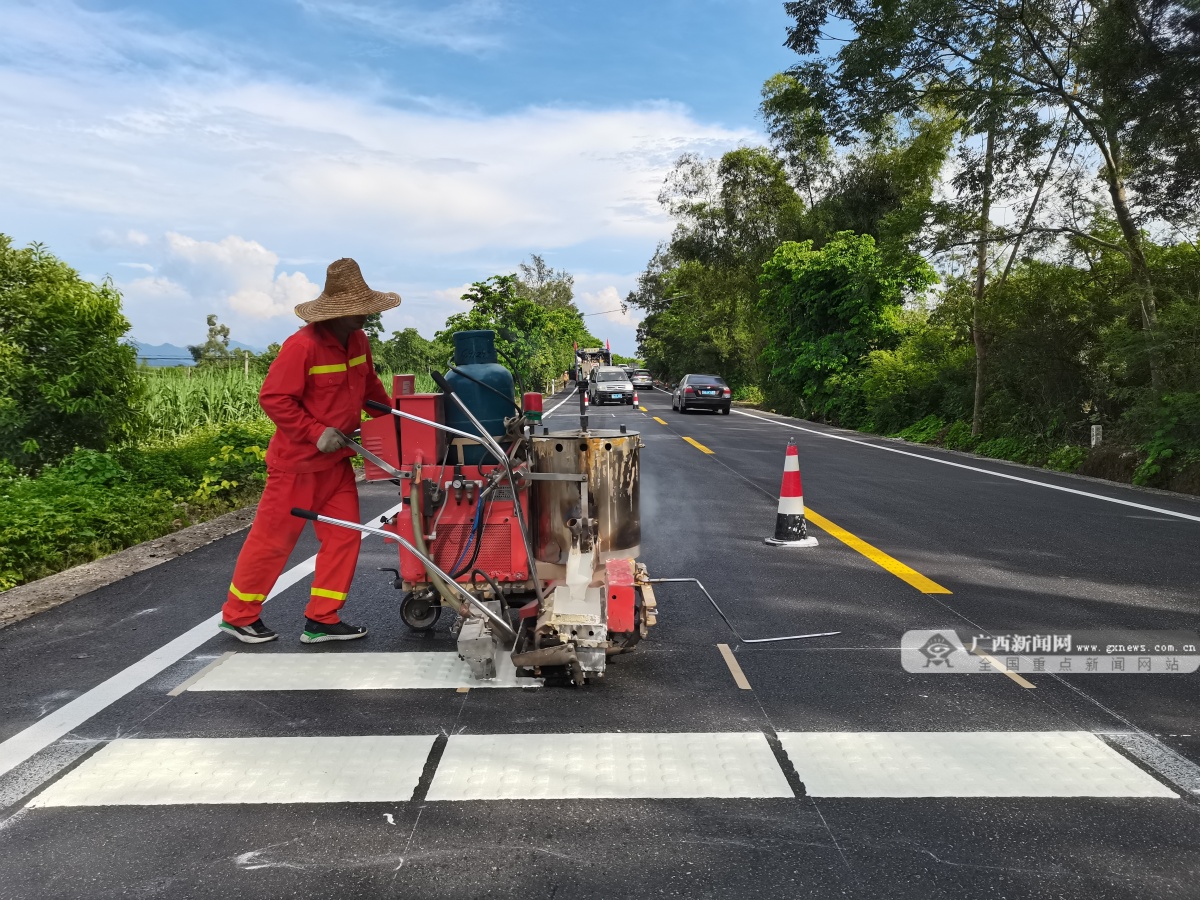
[273, 536]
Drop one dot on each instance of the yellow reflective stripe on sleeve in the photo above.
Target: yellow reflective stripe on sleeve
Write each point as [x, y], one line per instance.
[358, 360]
[246, 598]
[325, 370]
[332, 595]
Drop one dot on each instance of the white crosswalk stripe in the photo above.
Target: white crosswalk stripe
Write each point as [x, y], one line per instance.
[160, 772]
[597, 766]
[965, 764]
[348, 672]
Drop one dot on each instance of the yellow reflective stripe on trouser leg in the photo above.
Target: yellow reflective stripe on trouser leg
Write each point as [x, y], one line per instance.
[332, 595]
[326, 370]
[358, 360]
[246, 598]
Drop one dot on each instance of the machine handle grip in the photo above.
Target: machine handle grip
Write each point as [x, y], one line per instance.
[382, 407]
[304, 513]
[440, 381]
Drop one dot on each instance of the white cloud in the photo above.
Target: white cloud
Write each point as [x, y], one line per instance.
[239, 272]
[109, 239]
[450, 295]
[236, 278]
[98, 155]
[465, 27]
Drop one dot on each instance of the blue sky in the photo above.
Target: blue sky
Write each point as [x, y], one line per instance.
[215, 156]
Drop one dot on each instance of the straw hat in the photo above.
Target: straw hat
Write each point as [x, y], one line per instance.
[346, 294]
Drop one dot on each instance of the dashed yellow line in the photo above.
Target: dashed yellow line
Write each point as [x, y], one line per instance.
[659, 421]
[739, 677]
[877, 556]
[643, 409]
[699, 446]
[999, 666]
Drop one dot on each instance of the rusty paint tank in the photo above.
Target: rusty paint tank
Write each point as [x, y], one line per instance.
[610, 461]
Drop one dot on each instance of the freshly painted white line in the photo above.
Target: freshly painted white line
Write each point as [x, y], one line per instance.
[349, 672]
[184, 685]
[169, 771]
[70, 716]
[574, 391]
[1178, 770]
[946, 462]
[965, 764]
[599, 766]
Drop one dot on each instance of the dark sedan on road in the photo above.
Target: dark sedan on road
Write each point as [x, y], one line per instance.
[702, 392]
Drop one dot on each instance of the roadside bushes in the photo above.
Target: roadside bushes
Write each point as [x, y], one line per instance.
[92, 504]
[66, 380]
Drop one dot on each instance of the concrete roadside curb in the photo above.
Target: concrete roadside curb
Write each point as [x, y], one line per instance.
[46, 593]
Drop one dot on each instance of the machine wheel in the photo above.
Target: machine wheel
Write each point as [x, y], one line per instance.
[419, 613]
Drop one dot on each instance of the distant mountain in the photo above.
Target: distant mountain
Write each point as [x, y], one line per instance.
[173, 355]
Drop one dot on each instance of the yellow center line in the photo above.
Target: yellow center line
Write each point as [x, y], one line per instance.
[999, 666]
[739, 677]
[643, 409]
[699, 446]
[875, 555]
[659, 421]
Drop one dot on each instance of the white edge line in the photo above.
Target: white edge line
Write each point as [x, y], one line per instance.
[70, 716]
[946, 462]
[574, 390]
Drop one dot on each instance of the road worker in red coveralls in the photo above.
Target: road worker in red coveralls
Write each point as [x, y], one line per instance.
[315, 393]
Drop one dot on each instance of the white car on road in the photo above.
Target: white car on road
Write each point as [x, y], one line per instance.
[609, 384]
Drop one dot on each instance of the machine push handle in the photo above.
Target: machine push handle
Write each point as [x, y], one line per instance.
[304, 513]
[381, 407]
[440, 381]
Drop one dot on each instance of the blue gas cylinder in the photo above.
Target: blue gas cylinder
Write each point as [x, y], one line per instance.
[484, 385]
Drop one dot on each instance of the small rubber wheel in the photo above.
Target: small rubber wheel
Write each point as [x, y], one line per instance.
[420, 614]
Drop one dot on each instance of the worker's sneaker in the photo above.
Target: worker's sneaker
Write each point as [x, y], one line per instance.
[254, 633]
[318, 632]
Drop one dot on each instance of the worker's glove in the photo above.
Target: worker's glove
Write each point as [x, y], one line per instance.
[331, 440]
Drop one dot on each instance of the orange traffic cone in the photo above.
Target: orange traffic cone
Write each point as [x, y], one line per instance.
[636, 402]
[791, 529]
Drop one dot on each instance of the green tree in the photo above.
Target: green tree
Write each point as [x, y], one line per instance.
[216, 348]
[1095, 67]
[533, 341]
[828, 309]
[407, 351]
[544, 286]
[66, 378]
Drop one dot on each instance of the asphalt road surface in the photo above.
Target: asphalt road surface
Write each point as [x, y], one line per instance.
[703, 765]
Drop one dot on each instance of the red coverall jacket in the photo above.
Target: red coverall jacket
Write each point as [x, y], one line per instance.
[313, 384]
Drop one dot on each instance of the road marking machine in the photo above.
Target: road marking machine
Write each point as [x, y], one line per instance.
[529, 535]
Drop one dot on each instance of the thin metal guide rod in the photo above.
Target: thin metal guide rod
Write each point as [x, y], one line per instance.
[725, 619]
